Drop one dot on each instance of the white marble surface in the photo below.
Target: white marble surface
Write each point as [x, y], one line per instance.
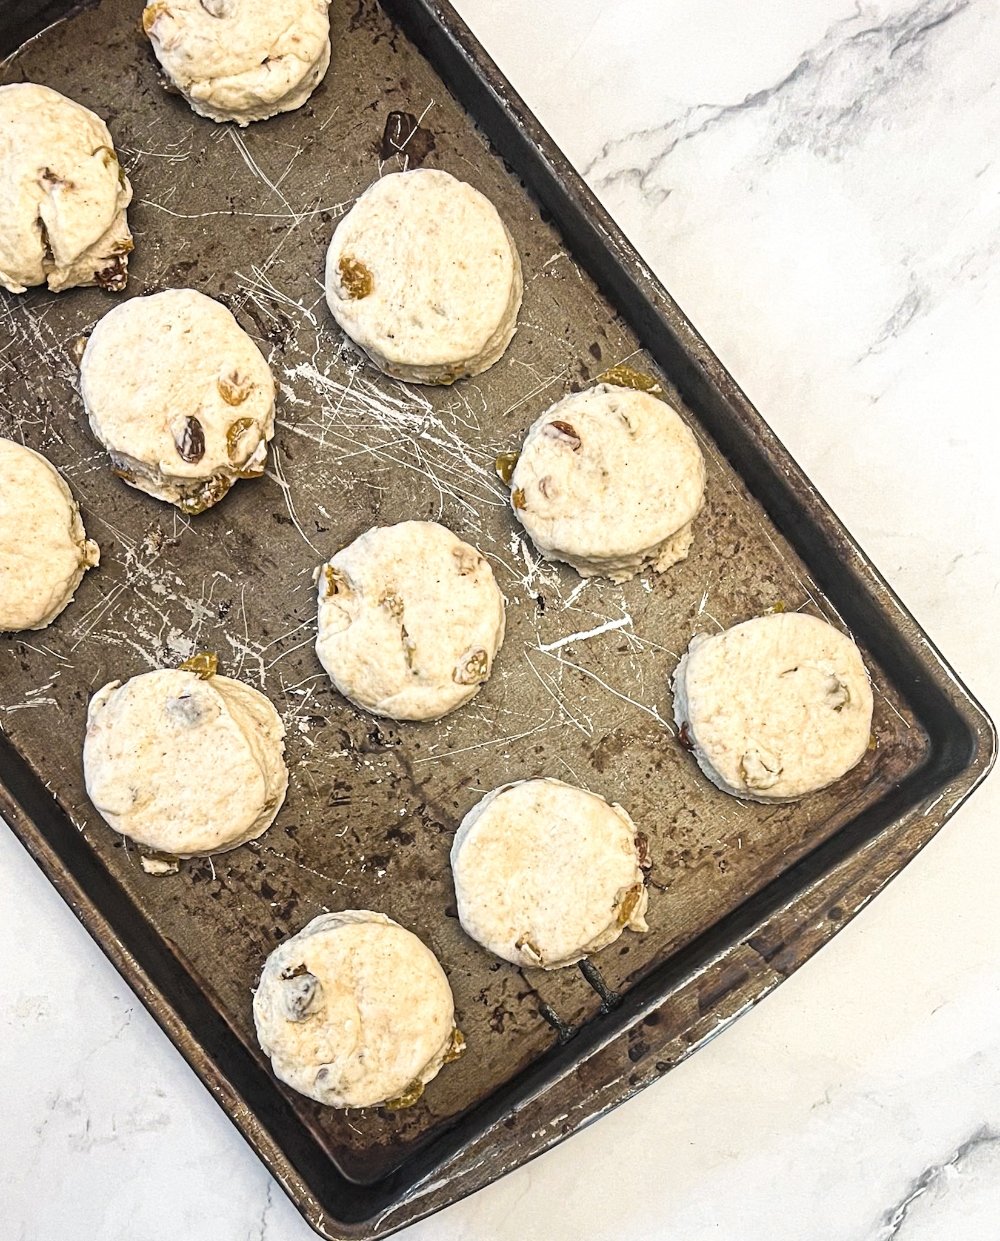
[817, 182]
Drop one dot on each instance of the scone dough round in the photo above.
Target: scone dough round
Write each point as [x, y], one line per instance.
[63, 194]
[610, 481]
[774, 708]
[355, 1011]
[424, 276]
[185, 765]
[410, 620]
[44, 551]
[547, 873]
[179, 395]
[241, 60]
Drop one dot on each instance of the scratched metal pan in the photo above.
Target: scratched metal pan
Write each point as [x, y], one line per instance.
[741, 894]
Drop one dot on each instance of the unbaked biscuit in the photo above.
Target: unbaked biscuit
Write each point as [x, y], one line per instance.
[355, 1011]
[44, 551]
[63, 194]
[185, 763]
[179, 395]
[774, 708]
[610, 480]
[241, 60]
[424, 276]
[410, 620]
[547, 873]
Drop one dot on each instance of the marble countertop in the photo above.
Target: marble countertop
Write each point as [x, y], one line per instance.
[817, 183]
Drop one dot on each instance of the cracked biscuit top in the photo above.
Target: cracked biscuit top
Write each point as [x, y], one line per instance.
[63, 194]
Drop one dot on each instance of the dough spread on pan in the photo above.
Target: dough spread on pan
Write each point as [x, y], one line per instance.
[44, 551]
[410, 620]
[610, 481]
[355, 1011]
[774, 708]
[179, 395]
[185, 764]
[424, 276]
[546, 873]
[63, 194]
[241, 60]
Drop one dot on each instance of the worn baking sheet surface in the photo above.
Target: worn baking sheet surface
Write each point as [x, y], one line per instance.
[580, 691]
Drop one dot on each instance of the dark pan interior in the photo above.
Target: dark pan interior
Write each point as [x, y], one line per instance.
[372, 808]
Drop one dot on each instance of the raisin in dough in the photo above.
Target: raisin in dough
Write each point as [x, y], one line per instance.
[610, 481]
[184, 764]
[44, 551]
[410, 621]
[355, 1011]
[774, 708]
[180, 396]
[546, 873]
[63, 194]
[424, 276]
[241, 60]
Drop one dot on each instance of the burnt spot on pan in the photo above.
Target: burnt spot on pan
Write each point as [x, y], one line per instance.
[405, 137]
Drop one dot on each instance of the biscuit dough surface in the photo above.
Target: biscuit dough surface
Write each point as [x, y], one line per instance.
[609, 480]
[44, 551]
[241, 60]
[423, 275]
[547, 873]
[774, 708]
[355, 1011]
[410, 620]
[63, 194]
[179, 395]
[185, 765]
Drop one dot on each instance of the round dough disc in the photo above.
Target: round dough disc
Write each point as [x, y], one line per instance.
[63, 194]
[241, 60]
[44, 551]
[424, 276]
[185, 765]
[355, 1011]
[610, 480]
[179, 395]
[410, 621]
[776, 707]
[546, 873]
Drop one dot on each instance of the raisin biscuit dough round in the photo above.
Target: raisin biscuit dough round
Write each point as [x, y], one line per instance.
[179, 395]
[185, 764]
[410, 620]
[424, 276]
[44, 551]
[241, 60]
[63, 194]
[355, 1011]
[546, 873]
[774, 708]
[610, 481]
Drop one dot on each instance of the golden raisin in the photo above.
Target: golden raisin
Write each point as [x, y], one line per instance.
[237, 430]
[234, 388]
[505, 464]
[627, 377]
[407, 1099]
[629, 902]
[205, 664]
[355, 277]
[150, 13]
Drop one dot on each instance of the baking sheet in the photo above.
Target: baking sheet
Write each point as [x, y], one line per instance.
[580, 689]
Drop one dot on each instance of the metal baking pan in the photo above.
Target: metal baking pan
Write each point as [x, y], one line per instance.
[742, 894]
